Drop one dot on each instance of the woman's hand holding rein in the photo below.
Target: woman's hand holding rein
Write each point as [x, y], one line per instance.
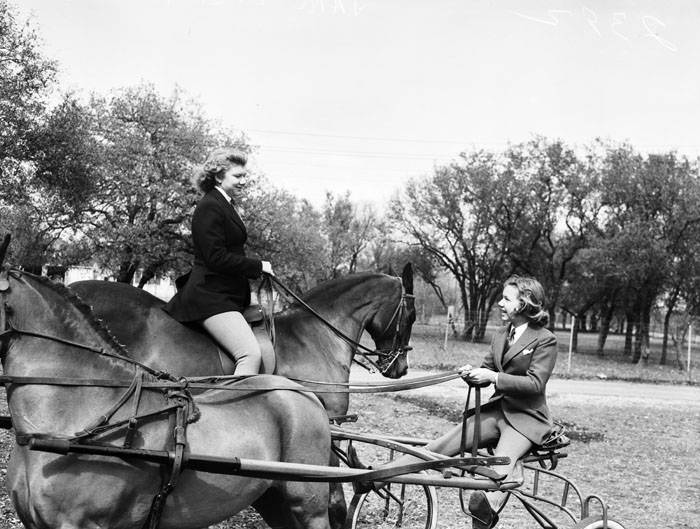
[267, 268]
[477, 375]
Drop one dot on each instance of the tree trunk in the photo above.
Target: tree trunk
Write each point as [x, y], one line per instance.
[605, 320]
[484, 313]
[641, 349]
[664, 344]
[667, 321]
[593, 327]
[468, 331]
[629, 330]
[127, 270]
[148, 274]
[678, 345]
[552, 318]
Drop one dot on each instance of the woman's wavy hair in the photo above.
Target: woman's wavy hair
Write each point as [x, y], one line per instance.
[218, 161]
[532, 296]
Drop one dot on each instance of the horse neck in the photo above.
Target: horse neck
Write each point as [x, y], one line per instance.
[351, 304]
[38, 307]
[307, 346]
[51, 310]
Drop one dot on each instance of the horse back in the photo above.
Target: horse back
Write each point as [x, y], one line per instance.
[137, 319]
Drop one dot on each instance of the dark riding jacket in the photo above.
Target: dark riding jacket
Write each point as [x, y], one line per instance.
[218, 281]
[523, 371]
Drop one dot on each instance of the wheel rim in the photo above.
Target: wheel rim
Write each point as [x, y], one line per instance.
[596, 522]
[406, 507]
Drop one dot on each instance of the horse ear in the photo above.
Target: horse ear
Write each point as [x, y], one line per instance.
[3, 248]
[407, 278]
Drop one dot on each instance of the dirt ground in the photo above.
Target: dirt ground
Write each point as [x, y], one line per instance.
[636, 452]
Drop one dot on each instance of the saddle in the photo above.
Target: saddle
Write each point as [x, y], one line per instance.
[253, 314]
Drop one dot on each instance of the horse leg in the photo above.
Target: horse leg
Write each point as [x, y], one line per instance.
[308, 503]
[272, 508]
[295, 505]
[337, 508]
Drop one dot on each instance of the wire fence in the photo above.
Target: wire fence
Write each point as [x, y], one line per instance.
[444, 342]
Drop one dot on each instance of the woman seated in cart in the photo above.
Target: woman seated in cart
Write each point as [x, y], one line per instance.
[516, 418]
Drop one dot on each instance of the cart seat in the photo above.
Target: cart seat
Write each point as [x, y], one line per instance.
[556, 440]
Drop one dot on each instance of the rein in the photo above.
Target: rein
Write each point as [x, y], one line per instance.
[10, 330]
[191, 384]
[390, 354]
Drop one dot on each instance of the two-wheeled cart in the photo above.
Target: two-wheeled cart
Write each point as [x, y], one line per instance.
[408, 498]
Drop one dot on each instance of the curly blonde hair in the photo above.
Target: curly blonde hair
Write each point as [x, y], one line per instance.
[531, 293]
[218, 161]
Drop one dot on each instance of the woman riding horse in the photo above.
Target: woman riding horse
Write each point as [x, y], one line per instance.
[216, 291]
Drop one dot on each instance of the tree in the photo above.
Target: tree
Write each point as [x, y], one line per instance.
[45, 200]
[142, 196]
[25, 76]
[649, 210]
[454, 217]
[286, 231]
[348, 229]
[560, 215]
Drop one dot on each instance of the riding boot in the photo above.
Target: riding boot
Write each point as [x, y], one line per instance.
[483, 515]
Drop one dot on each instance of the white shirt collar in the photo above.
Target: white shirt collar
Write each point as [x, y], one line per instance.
[519, 330]
[220, 190]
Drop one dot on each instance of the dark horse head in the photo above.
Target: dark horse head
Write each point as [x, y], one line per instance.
[390, 328]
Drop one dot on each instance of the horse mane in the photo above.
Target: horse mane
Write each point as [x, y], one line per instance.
[96, 324]
[334, 287]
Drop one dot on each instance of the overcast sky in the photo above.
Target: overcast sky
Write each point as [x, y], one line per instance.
[362, 95]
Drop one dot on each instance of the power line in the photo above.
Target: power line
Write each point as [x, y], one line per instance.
[342, 167]
[372, 138]
[464, 143]
[366, 154]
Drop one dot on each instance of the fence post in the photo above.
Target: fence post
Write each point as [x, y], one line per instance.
[448, 323]
[447, 330]
[690, 338]
[571, 343]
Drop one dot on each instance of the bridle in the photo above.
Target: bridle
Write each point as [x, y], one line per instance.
[385, 357]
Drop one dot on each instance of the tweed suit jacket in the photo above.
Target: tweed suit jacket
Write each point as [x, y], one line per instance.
[523, 371]
[218, 281]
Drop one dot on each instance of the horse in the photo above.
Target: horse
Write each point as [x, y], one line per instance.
[305, 347]
[49, 336]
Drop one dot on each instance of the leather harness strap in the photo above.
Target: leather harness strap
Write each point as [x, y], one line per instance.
[177, 461]
[307, 385]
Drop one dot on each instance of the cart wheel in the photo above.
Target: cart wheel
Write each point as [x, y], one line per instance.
[397, 505]
[596, 522]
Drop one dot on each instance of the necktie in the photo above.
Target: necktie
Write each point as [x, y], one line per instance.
[511, 336]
